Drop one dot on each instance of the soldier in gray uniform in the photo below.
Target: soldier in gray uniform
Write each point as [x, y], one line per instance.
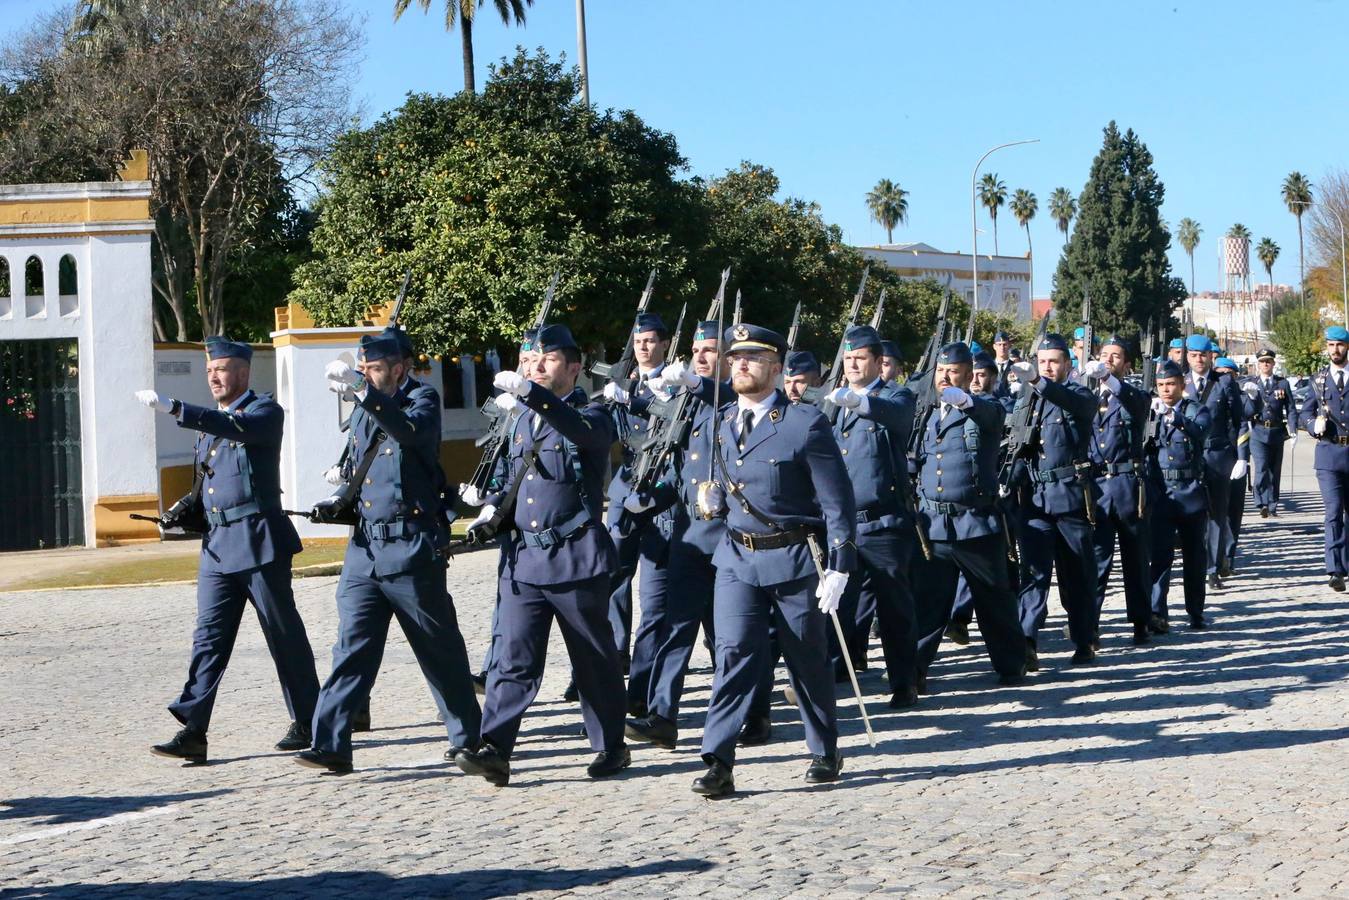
[1276, 423]
[786, 494]
[246, 550]
[395, 561]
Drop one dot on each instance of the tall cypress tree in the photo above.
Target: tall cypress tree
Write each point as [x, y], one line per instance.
[1118, 248]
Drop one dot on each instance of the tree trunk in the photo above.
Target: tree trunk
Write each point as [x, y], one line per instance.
[1301, 267]
[995, 232]
[1030, 258]
[466, 39]
[889, 234]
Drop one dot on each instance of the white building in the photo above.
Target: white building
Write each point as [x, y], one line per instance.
[1004, 281]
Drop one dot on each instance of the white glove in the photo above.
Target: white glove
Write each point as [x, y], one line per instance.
[1015, 388]
[341, 389]
[154, 401]
[956, 397]
[1025, 371]
[615, 394]
[1094, 369]
[334, 475]
[341, 372]
[1238, 470]
[1250, 389]
[1159, 406]
[830, 590]
[678, 374]
[1319, 426]
[469, 494]
[507, 403]
[635, 503]
[486, 513]
[511, 383]
[845, 398]
[1111, 383]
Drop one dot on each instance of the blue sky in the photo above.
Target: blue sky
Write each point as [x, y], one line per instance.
[1230, 97]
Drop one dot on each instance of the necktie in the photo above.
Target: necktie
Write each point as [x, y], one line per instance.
[746, 426]
[1199, 386]
[1339, 381]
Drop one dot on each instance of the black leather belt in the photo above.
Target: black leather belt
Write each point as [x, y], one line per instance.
[1048, 476]
[551, 537]
[236, 513]
[771, 541]
[876, 511]
[1341, 440]
[398, 528]
[1116, 468]
[1181, 474]
[953, 509]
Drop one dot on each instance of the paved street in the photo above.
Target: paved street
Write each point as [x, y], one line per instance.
[1207, 763]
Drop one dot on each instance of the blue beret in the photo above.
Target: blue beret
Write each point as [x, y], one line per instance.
[891, 349]
[801, 362]
[1337, 333]
[746, 338]
[374, 347]
[555, 337]
[223, 348]
[1053, 341]
[1266, 353]
[529, 340]
[1199, 343]
[983, 361]
[860, 337]
[954, 354]
[649, 322]
[1001, 336]
[1079, 333]
[1223, 362]
[403, 339]
[1118, 340]
[705, 331]
[1169, 368]
[976, 348]
[1177, 344]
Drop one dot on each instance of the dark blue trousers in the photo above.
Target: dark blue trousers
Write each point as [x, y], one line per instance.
[1266, 465]
[1218, 480]
[1335, 492]
[983, 562]
[642, 552]
[526, 618]
[1062, 543]
[1135, 569]
[653, 576]
[220, 607]
[880, 583]
[425, 612]
[692, 581]
[1166, 521]
[1236, 511]
[743, 613]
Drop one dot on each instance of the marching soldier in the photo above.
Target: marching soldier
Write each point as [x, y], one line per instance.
[988, 381]
[246, 549]
[1275, 424]
[1223, 397]
[556, 564]
[872, 430]
[1252, 407]
[692, 574]
[786, 498]
[801, 373]
[1325, 415]
[1002, 356]
[892, 363]
[1177, 469]
[1175, 352]
[1057, 511]
[1118, 433]
[959, 515]
[395, 561]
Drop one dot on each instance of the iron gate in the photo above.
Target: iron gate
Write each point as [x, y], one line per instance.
[41, 498]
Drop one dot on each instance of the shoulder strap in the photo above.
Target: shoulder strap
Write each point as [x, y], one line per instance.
[734, 489]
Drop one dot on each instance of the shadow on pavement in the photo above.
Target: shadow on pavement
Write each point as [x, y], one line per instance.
[68, 810]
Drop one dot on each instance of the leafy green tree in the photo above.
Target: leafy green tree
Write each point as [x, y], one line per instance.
[992, 194]
[1297, 196]
[1062, 209]
[466, 13]
[1187, 232]
[1118, 249]
[1267, 252]
[889, 206]
[1297, 333]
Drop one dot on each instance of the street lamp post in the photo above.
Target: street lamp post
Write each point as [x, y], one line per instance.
[581, 50]
[974, 214]
[1344, 265]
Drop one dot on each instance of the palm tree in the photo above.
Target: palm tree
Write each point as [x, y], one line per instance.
[465, 11]
[1297, 196]
[1267, 252]
[889, 205]
[1187, 232]
[992, 194]
[1062, 209]
[1024, 206]
[1239, 231]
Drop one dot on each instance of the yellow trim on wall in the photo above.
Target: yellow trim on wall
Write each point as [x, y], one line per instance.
[328, 338]
[61, 212]
[112, 524]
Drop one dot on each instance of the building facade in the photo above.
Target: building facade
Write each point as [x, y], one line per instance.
[1004, 281]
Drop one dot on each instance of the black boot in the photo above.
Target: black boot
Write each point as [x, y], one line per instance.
[488, 762]
[824, 768]
[322, 759]
[715, 782]
[1142, 634]
[958, 632]
[361, 720]
[756, 731]
[609, 762]
[298, 737]
[188, 744]
[653, 729]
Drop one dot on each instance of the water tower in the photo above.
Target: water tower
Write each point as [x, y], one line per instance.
[1235, 304]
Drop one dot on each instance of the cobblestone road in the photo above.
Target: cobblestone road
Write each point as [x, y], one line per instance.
[1206, 763]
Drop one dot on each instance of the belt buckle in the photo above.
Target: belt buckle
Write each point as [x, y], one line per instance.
[747, 539]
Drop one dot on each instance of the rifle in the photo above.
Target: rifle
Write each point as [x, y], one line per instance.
[938, 338]
[875, 316]
[620, 373]
[969, 327]
[836, 370]
[735, 317]
[494, 442]
[673, 350]
[795, 331]
[1023, 431]
[1088, 340]
[1147, 346]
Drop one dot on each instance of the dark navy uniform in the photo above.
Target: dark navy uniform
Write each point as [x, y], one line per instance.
[957, 463]
[1224, 400]
[1055, 531]
[1273, 425]
[1329, 398]
[789, 470]
[246, 553]
[1176, 466]
[395, 564]
[1117, 459]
